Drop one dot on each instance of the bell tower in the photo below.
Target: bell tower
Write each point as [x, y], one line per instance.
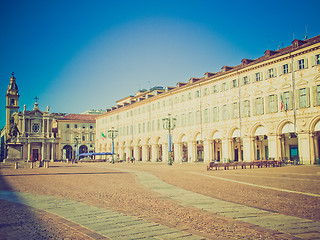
[12, 101]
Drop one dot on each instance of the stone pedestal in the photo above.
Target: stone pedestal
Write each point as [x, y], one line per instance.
[14, 151]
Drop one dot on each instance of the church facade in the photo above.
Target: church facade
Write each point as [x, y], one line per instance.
[265, 108]
[28, 135]
[41, 135]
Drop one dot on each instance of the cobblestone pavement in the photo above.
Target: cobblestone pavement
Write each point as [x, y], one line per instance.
[96, 201]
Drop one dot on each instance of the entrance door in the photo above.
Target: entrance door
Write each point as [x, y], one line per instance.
[294, 152]
[236, 155]
[35, 154]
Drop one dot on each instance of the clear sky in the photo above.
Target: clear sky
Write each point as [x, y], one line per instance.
[81, 55]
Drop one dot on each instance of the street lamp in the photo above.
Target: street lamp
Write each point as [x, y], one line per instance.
[169, 123]
[76, 139]
[112, 134]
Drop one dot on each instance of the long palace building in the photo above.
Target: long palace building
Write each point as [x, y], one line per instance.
[266, 108]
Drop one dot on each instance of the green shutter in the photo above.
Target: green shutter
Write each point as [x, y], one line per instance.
[297, 98]
[289, 67]
[306, 63]
[276, 103]
[268, 104]
[274, 72]
[314, 95]
[290, 101]
[308, 96]
[262, 102]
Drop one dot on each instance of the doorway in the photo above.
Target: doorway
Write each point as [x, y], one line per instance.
[35, 154]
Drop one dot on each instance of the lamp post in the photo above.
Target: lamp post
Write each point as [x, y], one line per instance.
[76, 139]
[112, 134]
[169, 123]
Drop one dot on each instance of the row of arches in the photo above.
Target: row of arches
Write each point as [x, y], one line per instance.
[69, 152]
[258, 144]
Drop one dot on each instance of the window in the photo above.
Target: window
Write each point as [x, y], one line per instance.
[215, 114]
[198, 117]
[285, 68]
[317, 95]
[36, 127]
[68, 125]
[12, 102]
[91, 127]
[183, 120]
[285, 104]
[189, 96]
[225, 112]
[303, 98]
[75, 126]
[206, 92]
[206, 115]
[197, 94]
[317, 60]
[182, 98]
[259, 106]
[224, 87]
[190, 118]
[83, 126]
[271, 73]
[234, 83]
[235, 109]
[258, 77]
[245, 80]
[273, 103]
[215, 89]
[246, 108]
[301, 64]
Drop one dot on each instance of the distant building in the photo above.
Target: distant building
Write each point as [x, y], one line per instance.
[29, 135]
[264, 108]
[77, 135]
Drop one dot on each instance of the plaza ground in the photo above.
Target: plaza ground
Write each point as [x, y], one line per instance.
[180, 197]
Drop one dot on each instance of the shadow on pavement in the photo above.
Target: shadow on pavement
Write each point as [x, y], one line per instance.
[18, 221]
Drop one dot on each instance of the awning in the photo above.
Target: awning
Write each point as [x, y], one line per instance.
[92, 154]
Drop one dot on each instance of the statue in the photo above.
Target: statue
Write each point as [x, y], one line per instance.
[13, 130]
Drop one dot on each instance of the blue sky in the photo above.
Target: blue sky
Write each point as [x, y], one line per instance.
[82, 55]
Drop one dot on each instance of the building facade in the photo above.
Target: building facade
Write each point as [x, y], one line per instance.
[29, 135]
[77, 135]
[263, 108]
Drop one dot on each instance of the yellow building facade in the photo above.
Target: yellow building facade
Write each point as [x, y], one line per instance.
[266, 108]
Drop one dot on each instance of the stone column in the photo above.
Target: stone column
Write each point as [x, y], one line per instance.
[154, 152]
[136, 152]
[213, 150]
[165, 153]
[177, 152]
[248, 149]
[225, 149]
[52, 152]
[191, 152]
[29, 152]
[272, 146]
[144, 153]
[304, 140]
[313, 148]
[206, 151]
[42, 151]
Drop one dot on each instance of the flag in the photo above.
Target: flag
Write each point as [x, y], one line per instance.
[103, 136]
[281, 102]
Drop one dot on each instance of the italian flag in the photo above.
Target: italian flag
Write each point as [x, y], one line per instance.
[282, 104]
[103, 136]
